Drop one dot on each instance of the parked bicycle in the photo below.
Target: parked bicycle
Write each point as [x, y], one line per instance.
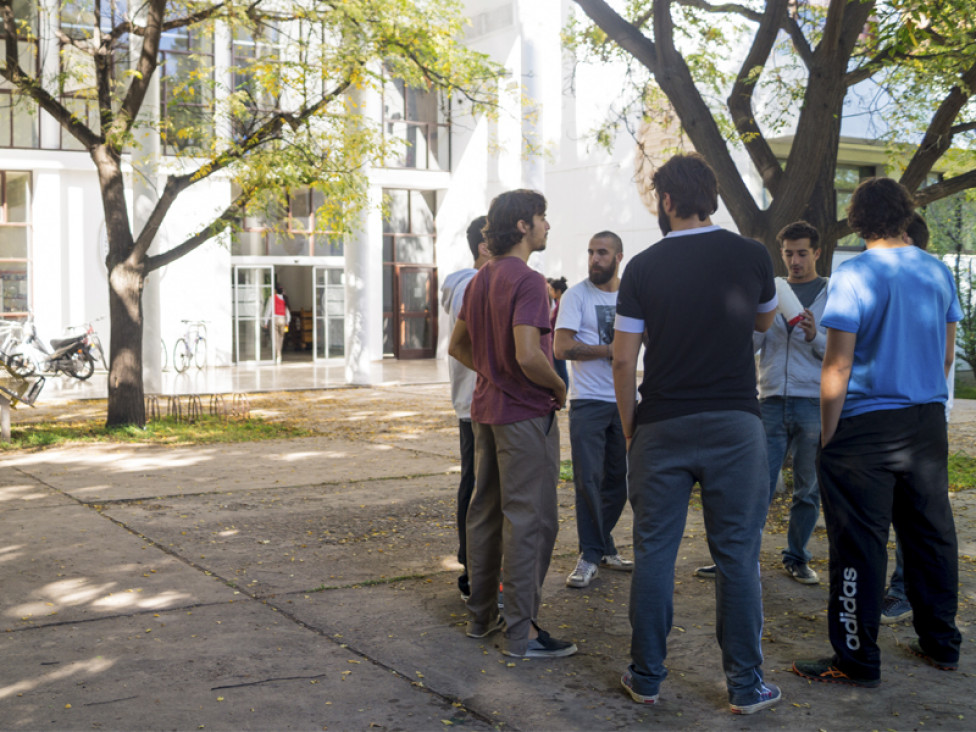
[191, 347]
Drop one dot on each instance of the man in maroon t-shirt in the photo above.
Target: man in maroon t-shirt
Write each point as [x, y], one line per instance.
[503, 334]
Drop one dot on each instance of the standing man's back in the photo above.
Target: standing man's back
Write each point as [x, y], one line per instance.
[696, 297]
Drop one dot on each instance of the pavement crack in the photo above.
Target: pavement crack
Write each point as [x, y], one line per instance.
[271, 680]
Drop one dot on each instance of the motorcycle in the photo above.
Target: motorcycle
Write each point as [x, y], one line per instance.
[73, 356]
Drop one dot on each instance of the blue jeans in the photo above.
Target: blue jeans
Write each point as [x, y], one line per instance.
[795, 422]
[599, 473]
[725, 452]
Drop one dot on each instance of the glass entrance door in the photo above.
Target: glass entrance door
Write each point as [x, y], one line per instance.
[252, 289]
[329, 306]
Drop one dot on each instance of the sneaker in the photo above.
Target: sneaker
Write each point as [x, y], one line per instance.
[627, 681]
[483, 631]
[916, 649]
[545, 646]
[615, 561]
[707, 572]
[769, 694]
[583, 574]
[801, 572]
[825, 670]
[464, 586]
[894, 610]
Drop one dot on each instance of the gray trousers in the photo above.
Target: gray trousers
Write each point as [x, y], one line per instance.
[725, 452]
[512, 521]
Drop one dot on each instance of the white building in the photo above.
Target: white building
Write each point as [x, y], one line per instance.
[377, 295]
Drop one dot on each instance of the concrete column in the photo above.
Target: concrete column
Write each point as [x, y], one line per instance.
[364, 269]
[49, 20]
[146, 153]
[532, 27]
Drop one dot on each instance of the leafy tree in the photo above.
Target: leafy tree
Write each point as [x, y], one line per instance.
[283, 116]
[910, 67]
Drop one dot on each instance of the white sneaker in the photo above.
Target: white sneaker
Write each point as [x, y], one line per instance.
[583, 574]
[615, 561]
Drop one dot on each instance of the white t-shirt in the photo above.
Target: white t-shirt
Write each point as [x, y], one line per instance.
[589, 311]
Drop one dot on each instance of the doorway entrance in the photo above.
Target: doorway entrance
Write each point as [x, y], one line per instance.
[252, 289]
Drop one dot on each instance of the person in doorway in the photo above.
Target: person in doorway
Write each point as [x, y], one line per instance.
[556, 289]
[584, 337]
[696, 296]
[891, 320]
[276, 312]
[896, 607]
[503, 333]
[790, 357]
[462, 388]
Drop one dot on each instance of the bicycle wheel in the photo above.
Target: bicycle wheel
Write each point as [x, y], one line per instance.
[200, 353]
[81, 366]
[181, 356]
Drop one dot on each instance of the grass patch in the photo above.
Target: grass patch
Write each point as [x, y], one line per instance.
[566, 471]
[965, 387]
[962, 472]
[167, 431]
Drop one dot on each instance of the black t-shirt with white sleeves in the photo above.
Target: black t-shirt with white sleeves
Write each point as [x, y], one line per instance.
[698, 295]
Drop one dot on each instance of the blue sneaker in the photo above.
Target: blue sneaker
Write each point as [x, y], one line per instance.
[768, 696]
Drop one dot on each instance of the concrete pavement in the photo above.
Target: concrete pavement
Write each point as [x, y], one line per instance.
[309, 584]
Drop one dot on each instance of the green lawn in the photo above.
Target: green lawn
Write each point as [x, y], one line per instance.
[167, 431]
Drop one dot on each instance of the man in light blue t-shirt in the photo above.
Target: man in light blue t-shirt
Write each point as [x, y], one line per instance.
[584, 337]
[891, 321]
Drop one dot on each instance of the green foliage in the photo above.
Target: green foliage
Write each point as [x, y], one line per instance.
[205, 430]
[566, 471]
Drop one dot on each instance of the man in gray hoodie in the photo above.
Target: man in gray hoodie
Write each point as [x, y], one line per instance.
[462, 387]
[789, 392]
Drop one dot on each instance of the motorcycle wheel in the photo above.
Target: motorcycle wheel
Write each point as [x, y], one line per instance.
[81, 366]
[20, 364]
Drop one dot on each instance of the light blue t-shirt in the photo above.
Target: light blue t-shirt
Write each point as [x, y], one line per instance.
[898, 302]
[589, 311]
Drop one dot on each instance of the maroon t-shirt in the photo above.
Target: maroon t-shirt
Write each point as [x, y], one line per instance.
[506, 293]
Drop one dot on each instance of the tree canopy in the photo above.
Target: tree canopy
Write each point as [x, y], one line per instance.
[781, 80]
[265, 93]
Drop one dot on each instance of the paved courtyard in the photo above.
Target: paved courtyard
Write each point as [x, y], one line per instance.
[309, 584]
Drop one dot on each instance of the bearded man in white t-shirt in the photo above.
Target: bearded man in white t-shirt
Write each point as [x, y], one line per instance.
[584, 337]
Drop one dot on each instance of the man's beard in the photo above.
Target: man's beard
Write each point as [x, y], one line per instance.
[662, 219]
[601, 276]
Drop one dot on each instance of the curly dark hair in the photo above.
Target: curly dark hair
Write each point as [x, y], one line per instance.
[506, 210]
[475, 235]
[881, 208]
[690, 181]
[800, 230]
[557, 285]
[918, 231]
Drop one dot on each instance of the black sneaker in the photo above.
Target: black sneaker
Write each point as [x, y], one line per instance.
[895, 610]
[915, 648]
[464, 586]
[823, 669]
[801, 572]
[545, 646]
[707, 572]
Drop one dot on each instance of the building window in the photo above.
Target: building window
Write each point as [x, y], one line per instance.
[291, 230]
[186, 66]
[256, 60]
[15, 237]
[19, 119]
[418, 125]
[846, 179]
[409, 274]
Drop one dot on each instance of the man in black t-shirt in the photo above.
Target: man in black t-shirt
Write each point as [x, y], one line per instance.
[696, 297]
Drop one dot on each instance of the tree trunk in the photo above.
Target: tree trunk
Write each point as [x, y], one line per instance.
[126, 399]
[126, 275]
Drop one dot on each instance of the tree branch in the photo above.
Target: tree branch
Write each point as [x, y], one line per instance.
[834, 25]
[134, 29]
[945, 188]
[270, 130]
[210, 231]
[960, 128]
[146, 66]
[740, 98]
[623, 33]
[938, 136]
